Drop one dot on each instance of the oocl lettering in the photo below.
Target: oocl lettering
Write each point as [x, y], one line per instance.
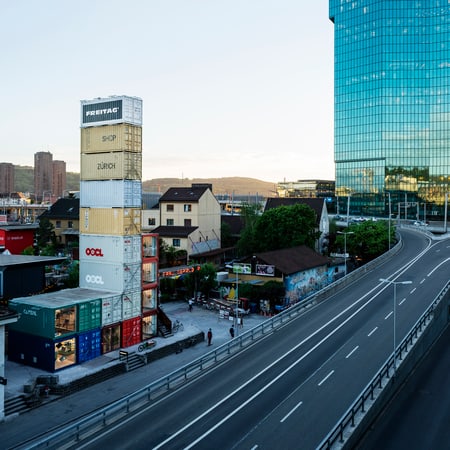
[94, 279]
[94, 252]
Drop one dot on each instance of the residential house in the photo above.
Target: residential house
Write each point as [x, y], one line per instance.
[302, 270]
[189, 219]
[64, 215]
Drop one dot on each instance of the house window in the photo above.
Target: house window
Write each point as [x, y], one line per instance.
[176, 242]
[70, 224]
[151, 221]
[169, 222]
[187, 208]
[169, 208]
[58, 224]
[187, 222]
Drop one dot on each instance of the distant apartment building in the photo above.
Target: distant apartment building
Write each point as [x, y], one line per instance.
[43, 176]
[59, 178]
[49, 177]
[6, 178]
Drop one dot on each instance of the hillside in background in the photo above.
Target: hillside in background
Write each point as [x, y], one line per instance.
[24, 179]
[229, 185]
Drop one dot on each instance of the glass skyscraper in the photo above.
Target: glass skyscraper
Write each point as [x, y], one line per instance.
[392, 105]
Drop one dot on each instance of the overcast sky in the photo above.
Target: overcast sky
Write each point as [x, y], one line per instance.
[229, 87]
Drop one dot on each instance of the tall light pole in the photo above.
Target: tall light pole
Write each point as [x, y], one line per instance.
[389, 223]
[384, 280]
[345, 247]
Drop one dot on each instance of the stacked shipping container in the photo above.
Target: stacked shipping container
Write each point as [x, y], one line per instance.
[115, 305]
[110, 213]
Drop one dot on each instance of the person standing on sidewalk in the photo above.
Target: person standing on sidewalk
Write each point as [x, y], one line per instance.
[209, 335]
[232, 332]
[191, 302]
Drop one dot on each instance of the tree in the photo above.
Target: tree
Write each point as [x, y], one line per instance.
[250, 215]
[207, 278]
[368, 240]
[73, 272]
[45, 234]
[282, 227]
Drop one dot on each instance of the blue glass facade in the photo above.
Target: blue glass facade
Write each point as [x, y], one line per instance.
[392, 104]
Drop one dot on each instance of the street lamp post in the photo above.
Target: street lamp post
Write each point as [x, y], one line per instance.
[345, 247]
[395, 312]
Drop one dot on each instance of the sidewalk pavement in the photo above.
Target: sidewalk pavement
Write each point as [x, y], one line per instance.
[58, 411]
[198, 319]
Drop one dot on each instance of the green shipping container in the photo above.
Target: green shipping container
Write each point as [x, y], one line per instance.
[90, 315]
[44, 321]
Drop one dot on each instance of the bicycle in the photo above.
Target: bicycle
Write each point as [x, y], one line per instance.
[146, 345]
[177, 326]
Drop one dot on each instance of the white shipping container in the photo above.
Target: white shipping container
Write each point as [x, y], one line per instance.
[110, 248]
[111, 194]
[112, 310]
[131, 304]
[111, 166]
[110, 276]
[111, 138]
[110, 221]
[111, 110]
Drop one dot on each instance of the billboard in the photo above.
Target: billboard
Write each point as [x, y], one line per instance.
[111, 110]
[242, 268]
[102, 112]
[265, 270]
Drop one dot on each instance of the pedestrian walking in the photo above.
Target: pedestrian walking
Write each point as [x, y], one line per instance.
[232, 332]
[191, 302]
[209, 336]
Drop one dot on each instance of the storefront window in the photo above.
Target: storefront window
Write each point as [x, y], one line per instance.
[65, 321]
[65, 353]
[110, 338]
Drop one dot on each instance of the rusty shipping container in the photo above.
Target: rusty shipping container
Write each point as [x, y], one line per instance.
[110, 221]
[111, 138]
[111, 166]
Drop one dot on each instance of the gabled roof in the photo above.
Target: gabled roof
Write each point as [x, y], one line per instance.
[293, 260]
[315, 203]
[184, 194]
[173, 231]
[64, 208]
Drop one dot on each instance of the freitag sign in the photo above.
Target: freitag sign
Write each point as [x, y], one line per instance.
[102, 112]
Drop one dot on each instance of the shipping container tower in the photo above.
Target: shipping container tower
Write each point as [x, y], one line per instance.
[110, 212]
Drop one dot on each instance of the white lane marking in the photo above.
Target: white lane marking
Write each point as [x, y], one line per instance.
[373, 331]
[422, 281]
[403, 301]
[353, 351]
[437, 267]
[291, 411]
[412, 290]
[325, 379]
[389, 315]
[331, 333]
[254, 447]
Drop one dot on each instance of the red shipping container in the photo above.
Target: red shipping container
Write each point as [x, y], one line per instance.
[131, 332]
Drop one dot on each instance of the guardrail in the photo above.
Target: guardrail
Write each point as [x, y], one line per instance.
[369, 393]
[71, 434]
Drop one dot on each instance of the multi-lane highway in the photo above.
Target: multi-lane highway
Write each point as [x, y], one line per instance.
[289, 389]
